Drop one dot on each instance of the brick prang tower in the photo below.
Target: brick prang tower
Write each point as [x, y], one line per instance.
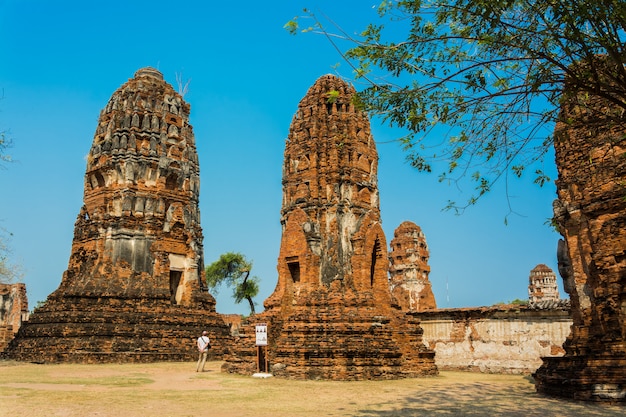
[409, 269]
[133, 290]
[331, 314]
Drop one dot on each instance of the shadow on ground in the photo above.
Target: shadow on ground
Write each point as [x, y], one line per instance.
[484, 399]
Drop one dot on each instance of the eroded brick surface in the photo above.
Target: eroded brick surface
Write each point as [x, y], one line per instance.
[590, 211]
[542, 286]
[13, 311]
[133, 290]
[409, 269]
[331, 314]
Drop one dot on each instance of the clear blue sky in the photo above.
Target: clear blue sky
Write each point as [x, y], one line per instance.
[62, 60]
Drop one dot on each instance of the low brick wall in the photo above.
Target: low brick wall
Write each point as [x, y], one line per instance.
[494, 340]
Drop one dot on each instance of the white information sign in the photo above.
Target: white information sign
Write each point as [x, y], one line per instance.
[261, 334]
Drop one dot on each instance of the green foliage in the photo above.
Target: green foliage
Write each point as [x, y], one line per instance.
[516, 302]
[233, 270]
[332, 96]
[292, 26]
[485, 75]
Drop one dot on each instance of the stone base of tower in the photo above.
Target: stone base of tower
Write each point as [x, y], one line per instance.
[328, 339]
[588, 378]
[78, 329]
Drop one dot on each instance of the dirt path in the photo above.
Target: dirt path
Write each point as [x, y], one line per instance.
[175, 389]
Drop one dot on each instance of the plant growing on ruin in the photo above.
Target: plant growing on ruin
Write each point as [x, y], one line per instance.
[183, 86]
[486, 76]
[332, 96]
[233, 270]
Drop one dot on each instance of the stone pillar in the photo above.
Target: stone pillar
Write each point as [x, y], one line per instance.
[590, 212]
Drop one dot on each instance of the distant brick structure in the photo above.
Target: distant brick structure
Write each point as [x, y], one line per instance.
[133, 290]
[409, 269]
[331, 314]
[590, 212]
[542, 285]
[13, 311]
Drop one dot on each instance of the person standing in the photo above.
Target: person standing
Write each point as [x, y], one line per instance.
[204, 343]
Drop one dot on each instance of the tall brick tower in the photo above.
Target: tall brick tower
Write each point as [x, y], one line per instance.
[590, 153]
[542, 285]
[409, 269]
[133, 290]
[332, 234]
[331, 314]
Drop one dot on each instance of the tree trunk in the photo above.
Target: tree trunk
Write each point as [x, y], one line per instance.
[252, 312]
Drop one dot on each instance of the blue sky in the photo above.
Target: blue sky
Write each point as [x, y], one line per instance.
[62, 61]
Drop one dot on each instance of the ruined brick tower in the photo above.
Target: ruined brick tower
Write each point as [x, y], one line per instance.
[542, 285]
[409, 269]
[590, 152]
[331, 314]
[133, 290]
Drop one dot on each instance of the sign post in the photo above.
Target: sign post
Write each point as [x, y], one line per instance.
[261, 347]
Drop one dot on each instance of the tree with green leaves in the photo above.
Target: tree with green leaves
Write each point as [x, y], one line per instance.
[233, 270]
[477, 84]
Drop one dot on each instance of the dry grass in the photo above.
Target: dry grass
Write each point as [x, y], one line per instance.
[174, 389]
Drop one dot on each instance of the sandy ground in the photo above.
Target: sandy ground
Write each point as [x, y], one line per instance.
[175, 389]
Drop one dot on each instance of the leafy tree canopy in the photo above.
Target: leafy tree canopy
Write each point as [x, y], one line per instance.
[233, 270]
[477, 84]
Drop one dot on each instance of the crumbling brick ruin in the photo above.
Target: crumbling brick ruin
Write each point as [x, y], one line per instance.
[409, 269]
[133, 290]
[542, 285]
[331, 314]
[13, 311]
[590, 212]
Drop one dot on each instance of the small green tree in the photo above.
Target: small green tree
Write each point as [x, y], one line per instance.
[233, 270]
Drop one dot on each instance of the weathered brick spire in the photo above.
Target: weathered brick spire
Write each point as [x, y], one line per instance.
[133, 289]
[332, 232]
[331, 314]
[141, 199]
[590, 152]
[409, 269]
